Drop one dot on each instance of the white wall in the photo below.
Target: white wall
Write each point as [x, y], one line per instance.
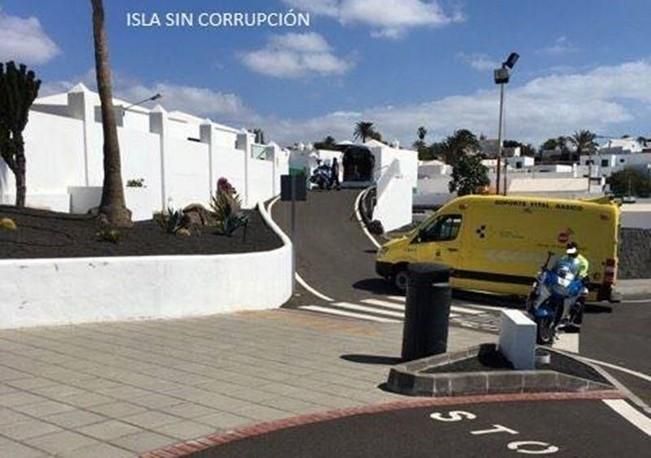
[385, 155]
[229, 163]
[54, 155]
[82, 290]
[433, 191]
[394, 198]
[260, 173]
[140, 154]
[64, 143]
[187, 172]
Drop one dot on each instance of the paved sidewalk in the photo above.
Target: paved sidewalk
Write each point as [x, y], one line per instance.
[634, 288]
[119, 389]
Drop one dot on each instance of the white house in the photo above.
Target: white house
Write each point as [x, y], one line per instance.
[490, 148]
[621, 146]
[178, 156]
[606, 164]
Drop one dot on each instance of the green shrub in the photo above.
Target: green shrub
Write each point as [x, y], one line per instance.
[136, 183]
[108, 235]
[8, 224]
[630, 181]
[170, 221]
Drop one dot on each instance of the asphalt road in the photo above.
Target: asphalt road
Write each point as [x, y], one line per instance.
[620, 334]
[337, 259]
[333, 254]
[558, 428]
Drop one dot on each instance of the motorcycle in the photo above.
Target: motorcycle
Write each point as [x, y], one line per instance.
[549, 293]
[322, 177]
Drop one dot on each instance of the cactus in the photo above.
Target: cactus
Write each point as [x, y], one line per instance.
[18, 89]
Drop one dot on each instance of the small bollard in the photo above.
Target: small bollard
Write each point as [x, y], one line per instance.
[427, 311]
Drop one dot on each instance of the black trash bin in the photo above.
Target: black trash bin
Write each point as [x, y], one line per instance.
[427, 311]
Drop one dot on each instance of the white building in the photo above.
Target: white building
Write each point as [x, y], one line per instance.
[621, 146]
[179, 156]
[395, 174]
[520, 162]
[489, 147]
[606, 164]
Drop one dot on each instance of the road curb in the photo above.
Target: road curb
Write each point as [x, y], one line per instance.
[411, 379]
[638, 289]
[247, 432]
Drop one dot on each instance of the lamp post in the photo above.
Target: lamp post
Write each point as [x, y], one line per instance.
[502, 78]
[148, 99]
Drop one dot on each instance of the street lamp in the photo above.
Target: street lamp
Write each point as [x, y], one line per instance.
[148, 99]
[502, 77]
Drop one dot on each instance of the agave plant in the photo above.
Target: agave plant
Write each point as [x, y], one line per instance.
[227, 206]
[171, 220]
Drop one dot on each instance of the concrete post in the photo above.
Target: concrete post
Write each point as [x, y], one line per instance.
[81, 107]
[159, 124]
[206, 136]
[244, 142]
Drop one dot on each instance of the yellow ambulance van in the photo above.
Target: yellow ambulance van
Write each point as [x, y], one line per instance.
[497, 244]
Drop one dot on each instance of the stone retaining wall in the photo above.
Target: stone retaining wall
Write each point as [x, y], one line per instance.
[634, 253]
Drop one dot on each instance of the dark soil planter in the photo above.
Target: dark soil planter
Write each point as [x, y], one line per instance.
[46, 234]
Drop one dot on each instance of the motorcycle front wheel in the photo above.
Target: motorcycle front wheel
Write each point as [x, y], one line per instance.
[545, 330]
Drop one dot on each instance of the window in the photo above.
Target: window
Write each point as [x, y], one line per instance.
[604, 163]
[444, 228]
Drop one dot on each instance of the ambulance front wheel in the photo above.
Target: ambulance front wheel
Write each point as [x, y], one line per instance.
[400, 278]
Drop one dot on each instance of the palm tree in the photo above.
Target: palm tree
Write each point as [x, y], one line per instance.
[561, 141]
[422, 132]
[112, 209]
[363, 131]
[584, 142]
[420, 145]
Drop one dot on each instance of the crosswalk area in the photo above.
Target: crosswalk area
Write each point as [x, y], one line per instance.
[391, 309]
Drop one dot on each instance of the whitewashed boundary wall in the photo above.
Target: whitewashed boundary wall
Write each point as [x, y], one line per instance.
[83, 290]
[394, 198]
[179, 156]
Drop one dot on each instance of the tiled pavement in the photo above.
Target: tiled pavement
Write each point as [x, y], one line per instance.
[119, 389]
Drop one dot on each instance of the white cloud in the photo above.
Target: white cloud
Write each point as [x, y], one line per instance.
[601, 99]
[195, 100]
[295, 55]
[560, 47]
[198, 101]
[387, 18]
[478, 61]
[543, 107]
[25, 41]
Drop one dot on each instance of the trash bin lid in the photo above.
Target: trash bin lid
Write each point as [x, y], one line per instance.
[422, 272]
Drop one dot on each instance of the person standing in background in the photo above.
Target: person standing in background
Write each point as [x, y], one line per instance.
[334, 171]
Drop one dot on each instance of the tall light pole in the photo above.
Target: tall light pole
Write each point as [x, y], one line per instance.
[502, 78]
[148, 99]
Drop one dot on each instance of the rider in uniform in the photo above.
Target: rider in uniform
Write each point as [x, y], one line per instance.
[580, 268]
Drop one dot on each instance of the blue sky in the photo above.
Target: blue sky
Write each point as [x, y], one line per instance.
[398, 63]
